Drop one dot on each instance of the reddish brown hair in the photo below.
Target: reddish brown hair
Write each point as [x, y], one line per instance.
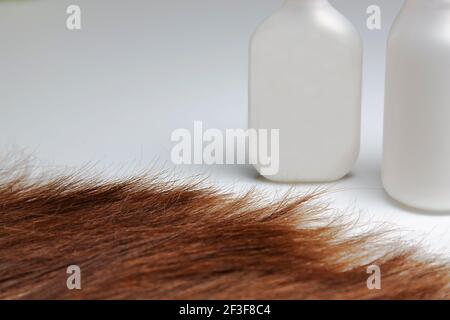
[144, 239]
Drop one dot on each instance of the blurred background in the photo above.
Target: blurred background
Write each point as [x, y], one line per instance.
[111, 94]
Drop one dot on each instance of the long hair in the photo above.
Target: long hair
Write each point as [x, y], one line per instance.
[144, 238]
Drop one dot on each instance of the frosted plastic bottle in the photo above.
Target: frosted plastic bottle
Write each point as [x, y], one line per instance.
[305, 80]
[416, 164]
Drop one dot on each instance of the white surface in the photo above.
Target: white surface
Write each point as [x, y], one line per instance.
[112, 93]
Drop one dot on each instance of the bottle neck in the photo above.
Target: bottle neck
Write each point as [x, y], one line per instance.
[427, 4]
[306, 3]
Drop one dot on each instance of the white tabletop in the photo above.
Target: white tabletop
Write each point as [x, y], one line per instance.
[111, 94]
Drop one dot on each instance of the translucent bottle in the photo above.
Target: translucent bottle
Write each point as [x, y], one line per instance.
[416, 164]
[305, 80]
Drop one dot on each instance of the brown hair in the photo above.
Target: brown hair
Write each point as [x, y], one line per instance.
[147, 239]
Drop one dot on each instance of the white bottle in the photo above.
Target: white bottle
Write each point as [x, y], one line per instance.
[305, 80]
[416, 165]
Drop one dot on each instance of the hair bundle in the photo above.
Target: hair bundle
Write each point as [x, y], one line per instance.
[146, 239]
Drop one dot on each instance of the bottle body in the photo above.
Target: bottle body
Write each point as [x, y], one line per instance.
[305, 80]
[416, 161]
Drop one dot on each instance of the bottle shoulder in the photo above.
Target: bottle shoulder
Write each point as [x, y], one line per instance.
[421, 30]
[327, 24]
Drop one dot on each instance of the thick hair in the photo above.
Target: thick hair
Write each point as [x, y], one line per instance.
[147, 239]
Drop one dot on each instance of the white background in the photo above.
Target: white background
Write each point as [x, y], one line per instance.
[111, 94]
